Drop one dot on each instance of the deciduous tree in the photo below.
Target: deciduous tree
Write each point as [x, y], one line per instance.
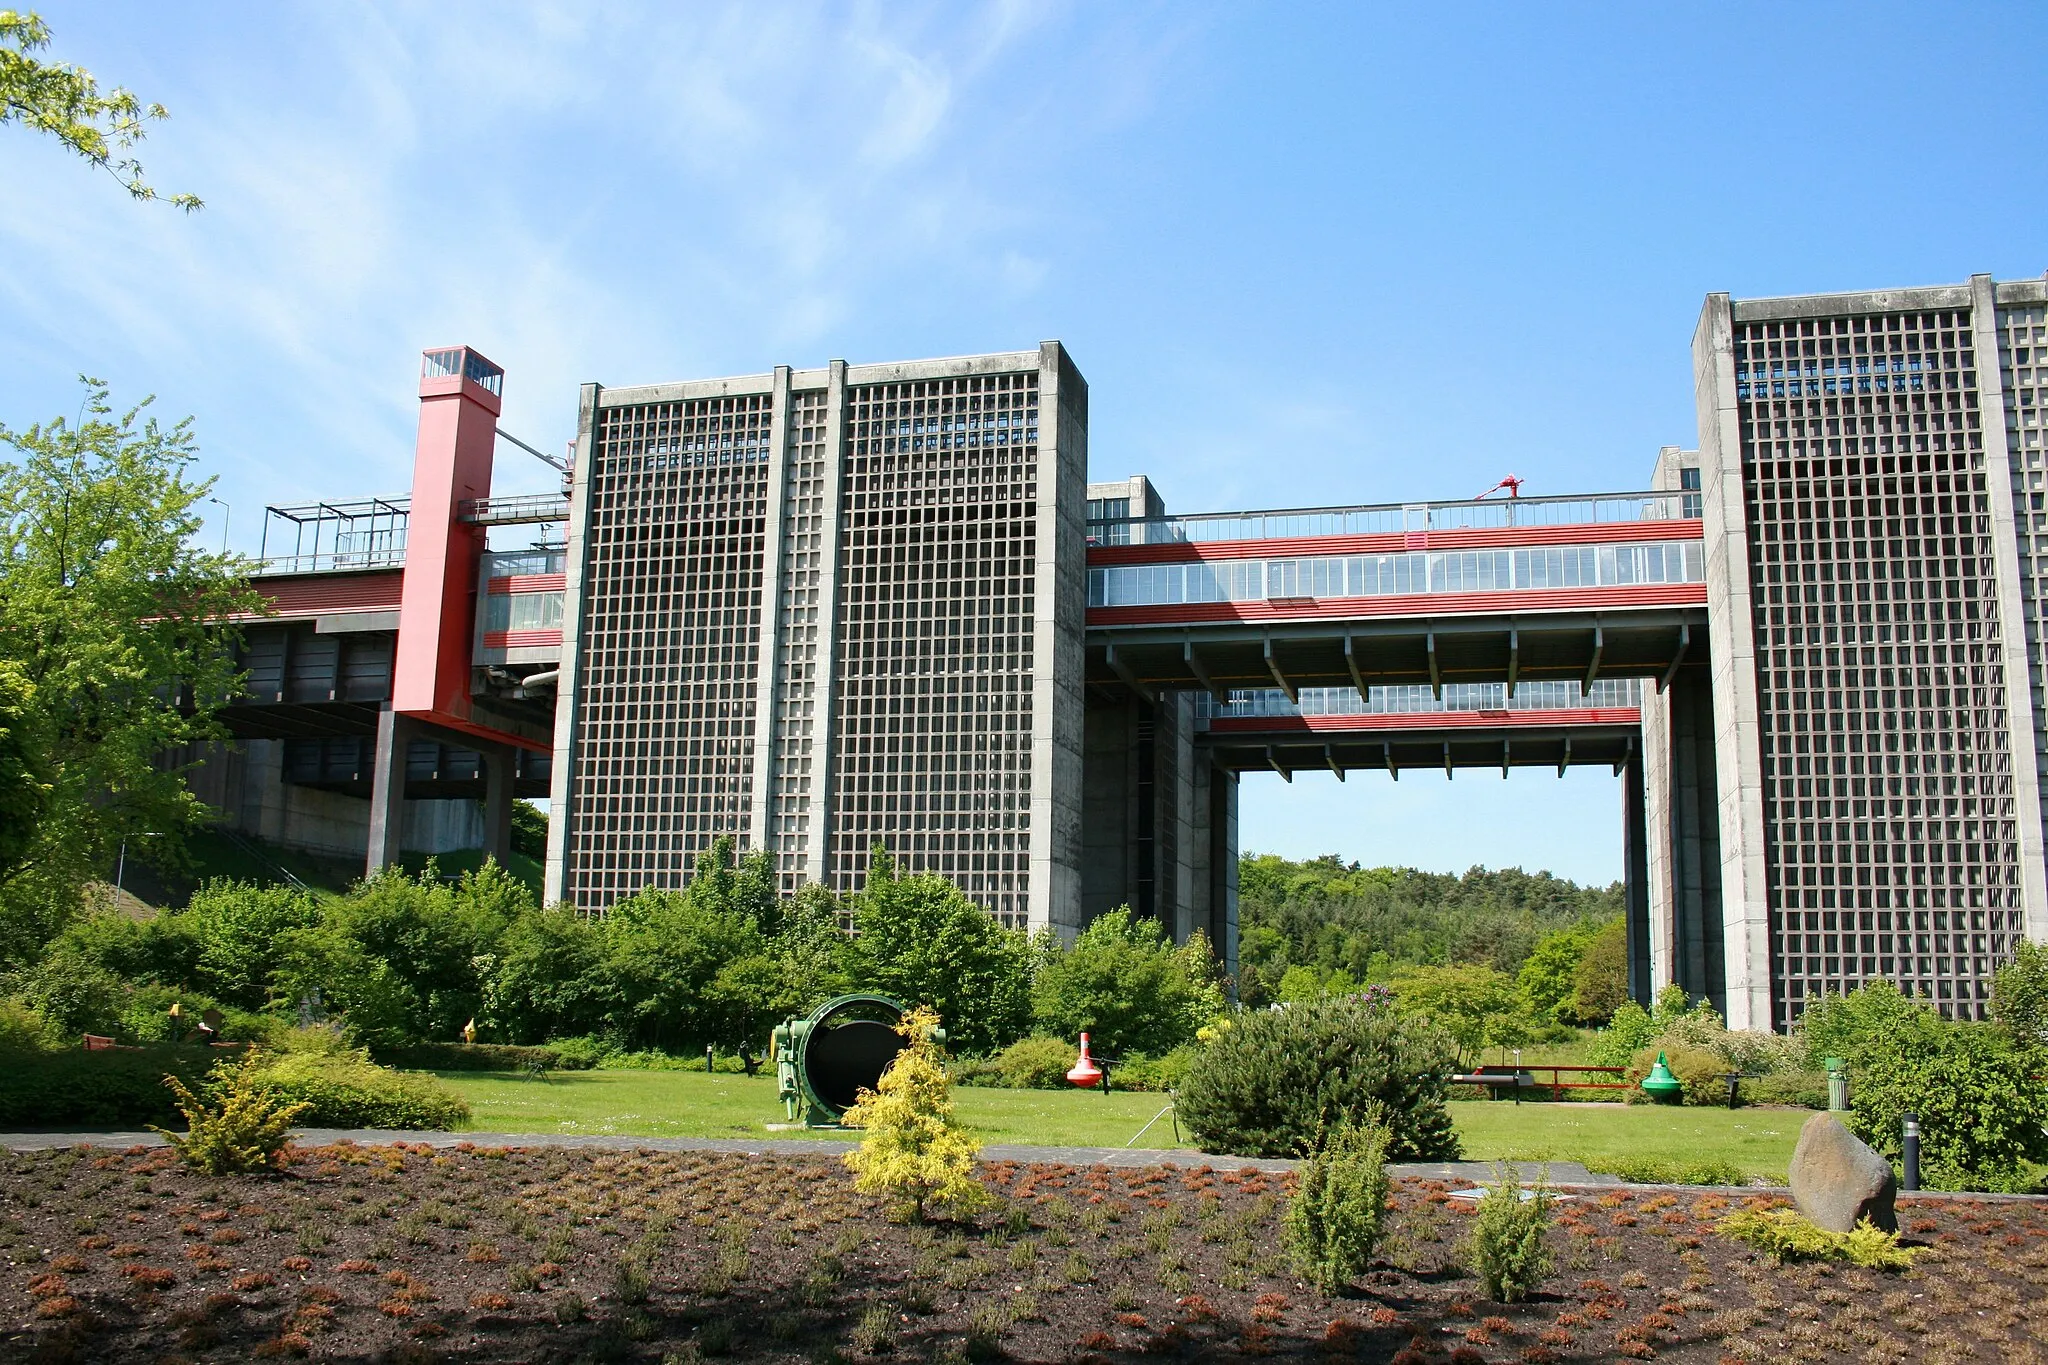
[116, 645]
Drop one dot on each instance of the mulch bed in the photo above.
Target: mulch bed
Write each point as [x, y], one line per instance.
[408, 1254]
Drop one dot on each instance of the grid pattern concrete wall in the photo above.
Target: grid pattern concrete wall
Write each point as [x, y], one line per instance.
[933, 712]
[1881, 672]
[675, 534]
[804, 623]
[2022, 331]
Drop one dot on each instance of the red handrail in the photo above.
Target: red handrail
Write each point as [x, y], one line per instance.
[1557, 1085]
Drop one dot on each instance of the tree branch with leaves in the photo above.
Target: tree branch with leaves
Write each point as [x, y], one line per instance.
[66, 102]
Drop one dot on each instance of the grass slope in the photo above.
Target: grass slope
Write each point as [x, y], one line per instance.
[692, 1104]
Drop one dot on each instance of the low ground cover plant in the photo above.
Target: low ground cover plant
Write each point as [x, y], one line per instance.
[416, 1253]
[1783, 1235]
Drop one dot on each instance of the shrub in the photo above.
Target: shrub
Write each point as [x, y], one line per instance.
[1701, 1072]
[1843, 1025]
[146, 1018]
[22, 1029]
[1783, 1235]
[1169, 1072]
[585, 1052]
[1981, 1112]
[1270, 1083]
[1334, 1219]
[1033, 1064]
[2019, 994]
[1800, 1089]
[348, 1091]
[1631, 1029]
[1507, 1247]
[1125, 984]
[237, 1127]
[913, 1150]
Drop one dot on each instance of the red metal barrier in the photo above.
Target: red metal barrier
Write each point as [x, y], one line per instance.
[1557, 1085]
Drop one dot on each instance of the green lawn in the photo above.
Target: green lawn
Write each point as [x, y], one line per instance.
[1758, 1141]
[692, 1104]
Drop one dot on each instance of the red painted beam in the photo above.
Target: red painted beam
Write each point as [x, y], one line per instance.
[1395, 542]
[1425, 720]
[528, 582]
[296, 598]
[1523, 602]
[521, 639]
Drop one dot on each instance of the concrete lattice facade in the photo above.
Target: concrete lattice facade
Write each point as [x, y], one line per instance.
[821, 610]
[1866, 483]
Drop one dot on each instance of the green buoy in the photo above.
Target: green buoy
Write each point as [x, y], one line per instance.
[1661, 1085]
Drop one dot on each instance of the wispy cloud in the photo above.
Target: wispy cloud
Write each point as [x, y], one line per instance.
[608, 193]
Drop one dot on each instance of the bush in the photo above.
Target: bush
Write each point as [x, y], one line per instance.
[1783, 1235]
[146, 1018]
[585, 1052]
[481, 1057]
[914, 1151]
[2019, 994]
[73, 1088]
[239, 1126]
[923, 942]
[1702, 1073]
[1507, 1247]
[1981, 1112]
[1335, 1217]
[1631, 1029]
[22, 1029]
[1800, 1089]
[1269, 1084]
[1169, 1072]
[1033, 1064]
[348, 1091]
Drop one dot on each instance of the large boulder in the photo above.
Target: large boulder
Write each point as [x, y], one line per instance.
[1837, 1180]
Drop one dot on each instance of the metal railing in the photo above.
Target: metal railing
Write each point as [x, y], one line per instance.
[1393, 518]
[329, 561]
[1404, 699]
[524, 509]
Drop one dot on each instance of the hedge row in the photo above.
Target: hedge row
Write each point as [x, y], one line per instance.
[125, 1089]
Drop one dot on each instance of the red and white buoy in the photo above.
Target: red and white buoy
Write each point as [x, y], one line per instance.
[1085, 1072]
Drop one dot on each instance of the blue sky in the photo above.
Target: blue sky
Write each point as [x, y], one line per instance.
[1304, 254]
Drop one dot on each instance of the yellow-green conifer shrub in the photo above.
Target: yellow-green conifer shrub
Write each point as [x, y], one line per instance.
[913, 1151]
[1783, 1235]
[239, 1128]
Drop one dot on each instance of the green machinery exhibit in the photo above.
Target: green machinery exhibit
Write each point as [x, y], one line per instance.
[823, 1063]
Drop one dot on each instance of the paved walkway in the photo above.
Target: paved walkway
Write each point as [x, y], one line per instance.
[1560, 1172]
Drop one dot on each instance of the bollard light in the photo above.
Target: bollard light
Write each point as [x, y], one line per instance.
[1909, 1151]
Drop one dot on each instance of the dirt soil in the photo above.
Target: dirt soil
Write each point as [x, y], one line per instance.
[381, 1253]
